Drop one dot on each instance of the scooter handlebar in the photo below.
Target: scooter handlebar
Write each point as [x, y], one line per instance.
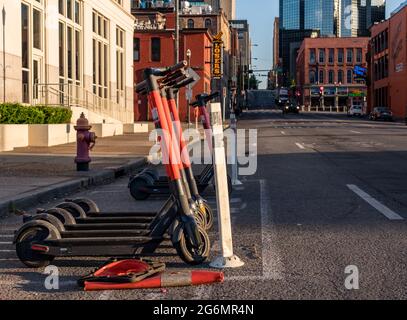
[203, 99]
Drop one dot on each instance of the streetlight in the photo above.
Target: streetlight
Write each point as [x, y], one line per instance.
[189, 89]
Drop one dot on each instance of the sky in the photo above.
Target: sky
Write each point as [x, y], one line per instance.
[260, 14]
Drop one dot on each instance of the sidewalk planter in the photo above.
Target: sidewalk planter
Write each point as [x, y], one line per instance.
[107, 129]
[48, 135]
[13, 136]
[141, 127]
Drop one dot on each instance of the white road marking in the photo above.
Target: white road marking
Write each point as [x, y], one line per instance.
[5, 251]
[272, 265]
[6, 243]
[357, 132]
[388, 213]
[283, 133]
[6, 236]
[299, 145]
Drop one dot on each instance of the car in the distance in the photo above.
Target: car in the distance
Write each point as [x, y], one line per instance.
[381, 113]
[355, 110]
[291, 107]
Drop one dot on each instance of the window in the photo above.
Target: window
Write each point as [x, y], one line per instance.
[321, 55]
[312, 79]
[312, 58]
[191, 24]
[37, 29]
[69, 9]
[61, 40]
[331, 58]
[100, 53]
[349, 55]
[208, 23]
[155, 49]
[61, 6]
[120, 72]
[136, 51]
[359, 55]
[349, 76]
[77, 12]
[340, 76]
[321, 76]
[25, 52]
[331, 76]
[340, 55]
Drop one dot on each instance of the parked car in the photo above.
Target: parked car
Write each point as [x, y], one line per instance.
[355, 110]
[291, 107]
[381, 113]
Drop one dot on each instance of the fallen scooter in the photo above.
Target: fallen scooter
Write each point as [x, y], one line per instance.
[40, 240]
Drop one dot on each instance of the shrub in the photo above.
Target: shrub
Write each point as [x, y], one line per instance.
[15, 113]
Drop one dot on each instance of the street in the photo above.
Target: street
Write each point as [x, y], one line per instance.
[329, 193]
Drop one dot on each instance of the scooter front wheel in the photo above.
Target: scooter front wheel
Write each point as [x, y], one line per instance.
[208, 216]
[187, 252]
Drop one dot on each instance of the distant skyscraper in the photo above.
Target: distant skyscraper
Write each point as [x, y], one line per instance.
[320, 15]
[228, 6]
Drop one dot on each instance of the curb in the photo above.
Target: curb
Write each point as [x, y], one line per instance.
[62, 189]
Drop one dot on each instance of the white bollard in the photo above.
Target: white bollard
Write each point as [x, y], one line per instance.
[227, 259]
[235, 174]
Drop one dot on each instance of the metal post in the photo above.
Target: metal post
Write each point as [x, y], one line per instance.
[176, 42]
[227, 259]
[189, 53]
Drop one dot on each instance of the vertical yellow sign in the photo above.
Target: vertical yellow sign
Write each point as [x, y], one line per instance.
[217, 57]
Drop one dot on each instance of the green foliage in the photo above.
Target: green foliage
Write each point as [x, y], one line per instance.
[15, 113]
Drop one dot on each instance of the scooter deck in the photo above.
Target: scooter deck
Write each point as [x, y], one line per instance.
[107, 226]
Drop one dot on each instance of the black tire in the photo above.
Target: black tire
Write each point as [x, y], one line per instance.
[74, 209]
[185, 250]
[200, 218]
[137, 184]
[37, 231]
[51, 219]
[152, 172]
[209, 217]
[63, 215]
[87, 205]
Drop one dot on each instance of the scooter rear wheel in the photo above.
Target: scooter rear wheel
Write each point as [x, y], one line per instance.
[37, 232]
[87, 205]
[137, 184]
[74, 209]
[187, 253]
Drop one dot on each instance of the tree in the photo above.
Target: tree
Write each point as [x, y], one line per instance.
[253, 83]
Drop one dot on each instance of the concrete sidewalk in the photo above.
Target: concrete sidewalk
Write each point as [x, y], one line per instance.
[30, 176]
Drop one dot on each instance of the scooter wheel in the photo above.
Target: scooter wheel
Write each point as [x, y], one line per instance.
[34, 232]
[200, 218]
[87, 205]
[208, 216]
[152, 172]
[137, 184]
[51, 219]
[185, 250]
[74, 209]
[63, 215]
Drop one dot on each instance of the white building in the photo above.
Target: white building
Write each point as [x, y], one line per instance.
[77, 53]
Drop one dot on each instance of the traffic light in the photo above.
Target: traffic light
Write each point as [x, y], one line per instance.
[321, 91]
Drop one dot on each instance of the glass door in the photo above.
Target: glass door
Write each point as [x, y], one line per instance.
[37, 76]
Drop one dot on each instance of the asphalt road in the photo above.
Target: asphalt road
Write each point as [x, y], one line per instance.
[329, 192]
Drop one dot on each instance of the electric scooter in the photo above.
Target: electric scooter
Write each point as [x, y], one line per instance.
[39, 241]
[141, 185]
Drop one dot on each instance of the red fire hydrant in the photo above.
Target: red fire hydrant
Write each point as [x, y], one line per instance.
[85, 141]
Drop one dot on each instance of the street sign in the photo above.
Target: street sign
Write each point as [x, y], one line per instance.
[193, 74]
[217, 57]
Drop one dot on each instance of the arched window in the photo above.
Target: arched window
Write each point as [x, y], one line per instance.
[349, 76]
[331, 76]
[191, 24]
[208, 23]
[340, 76]
[321, 76]
[312, 78]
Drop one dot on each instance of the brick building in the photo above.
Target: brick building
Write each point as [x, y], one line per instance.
[388, 64]
[154, 47]
[329, 63]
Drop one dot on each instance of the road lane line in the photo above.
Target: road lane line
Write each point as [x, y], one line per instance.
[4, 243]
[388, 213]
[299, 145]
[272, 265]
[6, 236]
[6, 251]
[357, 132]
[283, 133]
